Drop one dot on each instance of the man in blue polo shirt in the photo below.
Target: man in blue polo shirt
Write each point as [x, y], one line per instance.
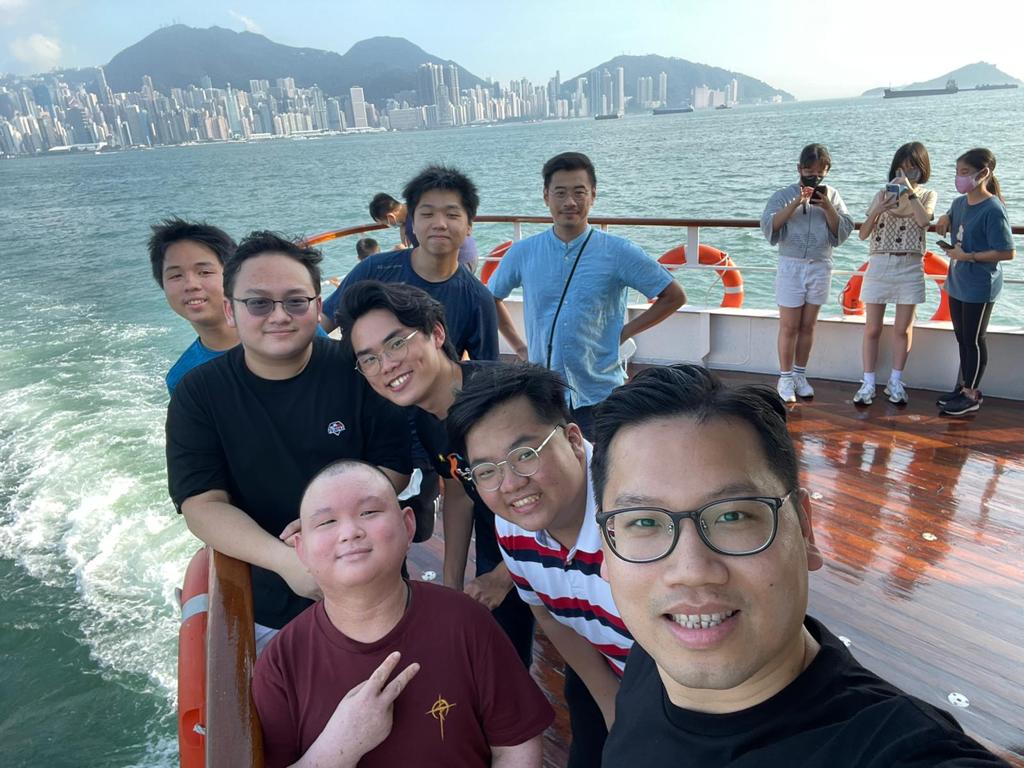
[575, 280]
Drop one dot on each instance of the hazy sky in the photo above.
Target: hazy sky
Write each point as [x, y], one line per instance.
[817, 49]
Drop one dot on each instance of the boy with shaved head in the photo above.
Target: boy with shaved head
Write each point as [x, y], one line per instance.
[469, 703]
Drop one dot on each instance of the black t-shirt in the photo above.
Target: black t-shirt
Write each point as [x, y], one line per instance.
[262, 440]
[434, 437]
[835, 714]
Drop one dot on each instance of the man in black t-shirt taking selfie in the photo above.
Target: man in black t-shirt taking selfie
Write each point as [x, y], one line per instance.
[727, 668]
[246, 432]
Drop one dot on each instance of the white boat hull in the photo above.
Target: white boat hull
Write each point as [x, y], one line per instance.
[745, 340]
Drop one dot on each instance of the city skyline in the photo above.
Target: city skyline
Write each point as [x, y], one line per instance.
[821, 53]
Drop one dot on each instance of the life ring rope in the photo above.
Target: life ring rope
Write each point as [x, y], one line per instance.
[732, 280]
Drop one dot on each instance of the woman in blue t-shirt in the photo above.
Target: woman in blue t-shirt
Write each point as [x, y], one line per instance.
[981, 239]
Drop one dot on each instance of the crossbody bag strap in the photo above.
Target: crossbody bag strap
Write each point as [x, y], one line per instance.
[561, 301]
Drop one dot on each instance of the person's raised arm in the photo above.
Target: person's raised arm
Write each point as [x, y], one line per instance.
[507, 328]
[779, 210]
[585, 659]
[668, 301]
[457, 515]
[214, 520]
[879, 204]
[529, 754]
[362, 719]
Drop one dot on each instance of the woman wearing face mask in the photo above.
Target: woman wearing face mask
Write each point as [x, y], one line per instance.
[981, 238]
[806, 220]
[896, 224]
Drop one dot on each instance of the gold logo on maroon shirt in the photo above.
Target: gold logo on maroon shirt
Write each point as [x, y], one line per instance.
[439, 711]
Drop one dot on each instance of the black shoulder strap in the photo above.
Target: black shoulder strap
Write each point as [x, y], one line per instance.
[561, 301]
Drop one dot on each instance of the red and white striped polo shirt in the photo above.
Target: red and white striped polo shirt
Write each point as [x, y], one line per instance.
[568, 581]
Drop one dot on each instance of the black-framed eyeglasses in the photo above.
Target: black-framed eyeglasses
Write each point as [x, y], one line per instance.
[523, 461]
[394, 350]
[737, 527]
[261, 306]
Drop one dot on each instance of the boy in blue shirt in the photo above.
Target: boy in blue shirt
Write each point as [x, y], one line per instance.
[188, 264]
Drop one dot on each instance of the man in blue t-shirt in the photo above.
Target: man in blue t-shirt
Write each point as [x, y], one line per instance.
[188, 264]
[384, 209]
[442, 204]
[575, 280]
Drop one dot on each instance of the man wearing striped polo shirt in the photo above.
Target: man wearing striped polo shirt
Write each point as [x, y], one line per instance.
[530, 465]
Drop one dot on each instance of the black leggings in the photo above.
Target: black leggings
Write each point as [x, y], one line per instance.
[970, 321]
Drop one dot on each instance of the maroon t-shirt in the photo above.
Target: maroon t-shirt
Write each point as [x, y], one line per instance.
[471, 693]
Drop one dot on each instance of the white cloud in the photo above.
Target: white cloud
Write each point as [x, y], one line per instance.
[36, 50]
[249, 24]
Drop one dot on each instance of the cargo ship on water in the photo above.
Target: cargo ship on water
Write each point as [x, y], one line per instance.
[951, 87]
[671, 110]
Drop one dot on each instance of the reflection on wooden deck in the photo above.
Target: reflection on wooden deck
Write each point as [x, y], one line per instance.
[921, 520]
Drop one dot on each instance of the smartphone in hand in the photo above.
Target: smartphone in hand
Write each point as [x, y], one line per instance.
[895, 190]
[944, 245]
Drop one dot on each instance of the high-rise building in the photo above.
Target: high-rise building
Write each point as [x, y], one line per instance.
[335, 117]
[429, 77]
[452, 81]
[619, 102]
[606, 93]
[663, 88]
[358, 107]
[734, 91]
[594, 83]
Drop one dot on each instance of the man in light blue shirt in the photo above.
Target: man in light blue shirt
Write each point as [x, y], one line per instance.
[575, 280]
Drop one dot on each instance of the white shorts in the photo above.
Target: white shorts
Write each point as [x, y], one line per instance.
[801, 281]
[893, 280]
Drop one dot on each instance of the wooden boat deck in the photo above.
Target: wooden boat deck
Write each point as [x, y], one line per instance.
[920, 520]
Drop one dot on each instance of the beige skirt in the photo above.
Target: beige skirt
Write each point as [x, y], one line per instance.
[893, 279]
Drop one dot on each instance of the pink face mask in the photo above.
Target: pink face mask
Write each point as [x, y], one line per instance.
[965, 184]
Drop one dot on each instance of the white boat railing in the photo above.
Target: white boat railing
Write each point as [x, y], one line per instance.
[692, 228]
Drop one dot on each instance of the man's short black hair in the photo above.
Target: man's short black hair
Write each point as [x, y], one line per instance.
[691, 391]
[366, 246]
[262, 241]
[444, 178]
[174, 230]
[412, 306]
[568, 161]
[495, 384]
[381, 205]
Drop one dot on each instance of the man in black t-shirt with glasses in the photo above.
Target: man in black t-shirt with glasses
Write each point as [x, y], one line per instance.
[246, 432]
[727, 668]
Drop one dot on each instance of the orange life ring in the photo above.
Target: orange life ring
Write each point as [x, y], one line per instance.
[195, 601]
[933, 265]
[732, 280]
[490, 266]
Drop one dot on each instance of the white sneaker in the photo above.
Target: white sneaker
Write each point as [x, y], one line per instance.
[803, 389]
[787, 389]
[896, 392]
[865, 394]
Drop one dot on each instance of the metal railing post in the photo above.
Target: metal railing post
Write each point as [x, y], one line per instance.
[692, 246]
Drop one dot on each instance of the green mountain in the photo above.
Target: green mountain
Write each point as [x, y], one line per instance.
[683, 77]
[179, 56]
[971, 76]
